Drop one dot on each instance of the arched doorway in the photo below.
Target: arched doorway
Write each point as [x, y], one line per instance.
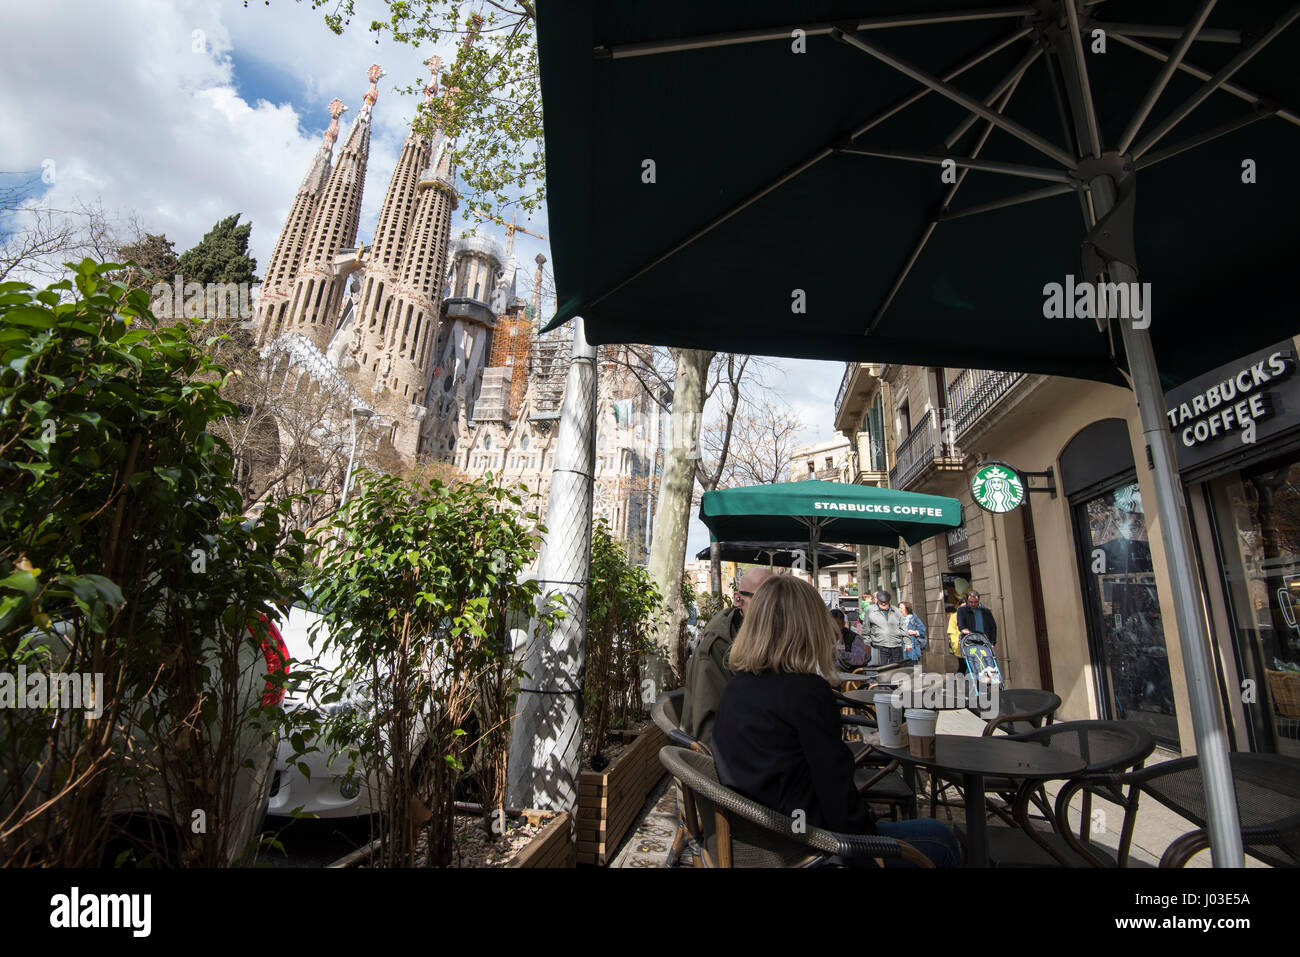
[1122, 607]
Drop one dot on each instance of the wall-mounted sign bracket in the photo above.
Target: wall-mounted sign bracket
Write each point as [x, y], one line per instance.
[1049, 477]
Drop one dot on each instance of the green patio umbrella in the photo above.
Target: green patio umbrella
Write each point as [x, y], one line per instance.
[827, 512]
[823, 180]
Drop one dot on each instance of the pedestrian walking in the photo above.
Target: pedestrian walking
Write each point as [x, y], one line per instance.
[973, 617]
[916, 639]
[954, 642]
[884, 628]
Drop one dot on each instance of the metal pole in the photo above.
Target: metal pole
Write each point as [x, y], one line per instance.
[1180, 559]
[815, 536]
[547, 732]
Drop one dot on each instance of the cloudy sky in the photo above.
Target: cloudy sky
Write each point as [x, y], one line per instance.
[181, 112]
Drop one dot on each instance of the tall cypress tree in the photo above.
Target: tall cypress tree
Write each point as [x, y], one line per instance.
[221, 255]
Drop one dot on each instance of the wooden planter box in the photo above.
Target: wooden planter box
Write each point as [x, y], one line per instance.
[553, 847]
[609, 801]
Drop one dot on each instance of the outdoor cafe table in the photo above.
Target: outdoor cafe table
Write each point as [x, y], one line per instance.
[977, 758]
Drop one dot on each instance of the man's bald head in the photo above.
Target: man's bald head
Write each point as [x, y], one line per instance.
[747, 585]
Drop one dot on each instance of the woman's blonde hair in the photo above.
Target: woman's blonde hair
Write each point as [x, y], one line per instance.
[786, 628]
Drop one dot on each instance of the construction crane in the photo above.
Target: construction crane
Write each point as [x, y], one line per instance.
[511, 228]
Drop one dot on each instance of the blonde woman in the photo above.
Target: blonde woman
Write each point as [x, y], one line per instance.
[777, 737]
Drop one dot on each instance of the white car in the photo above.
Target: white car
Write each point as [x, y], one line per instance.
[138, 803]
[326, 790]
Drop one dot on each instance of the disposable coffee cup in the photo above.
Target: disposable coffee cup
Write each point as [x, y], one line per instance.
[889, 721]
[921, 723]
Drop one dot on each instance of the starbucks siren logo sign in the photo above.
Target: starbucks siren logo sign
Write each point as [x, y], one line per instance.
[997, 487]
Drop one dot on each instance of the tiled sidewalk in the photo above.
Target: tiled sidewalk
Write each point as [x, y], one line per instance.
[648, 842]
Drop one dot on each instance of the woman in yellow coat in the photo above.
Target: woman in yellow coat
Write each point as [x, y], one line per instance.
[954, 642]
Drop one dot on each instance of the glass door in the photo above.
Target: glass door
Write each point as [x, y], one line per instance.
[1124, 623]
[1257, 526]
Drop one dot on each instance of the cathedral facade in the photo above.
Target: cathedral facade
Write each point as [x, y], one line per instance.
[427, 333]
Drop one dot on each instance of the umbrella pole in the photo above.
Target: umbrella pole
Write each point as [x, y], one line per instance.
[814, 536]
[1180, 559]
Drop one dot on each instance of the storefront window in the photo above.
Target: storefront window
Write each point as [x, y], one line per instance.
[1124, 612]
[1257, 522]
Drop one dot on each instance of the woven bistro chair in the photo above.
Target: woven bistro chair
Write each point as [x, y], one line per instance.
[1021, 710]
[1108, 747]
[739, 832]
[1267, 788]
[666, 714]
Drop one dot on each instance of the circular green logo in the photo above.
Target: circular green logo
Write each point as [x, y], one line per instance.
[997, 487]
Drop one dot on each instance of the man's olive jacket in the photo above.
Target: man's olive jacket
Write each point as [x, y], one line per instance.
[707, 673]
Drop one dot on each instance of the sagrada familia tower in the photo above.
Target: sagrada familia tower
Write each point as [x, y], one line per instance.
[425, 335]
[380, 335]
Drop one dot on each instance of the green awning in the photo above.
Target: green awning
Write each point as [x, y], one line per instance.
[840, 513]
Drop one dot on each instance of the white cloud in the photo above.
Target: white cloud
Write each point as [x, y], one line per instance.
[140, 113]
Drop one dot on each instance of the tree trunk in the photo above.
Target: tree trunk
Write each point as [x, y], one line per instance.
[673, 511]
[715, 568]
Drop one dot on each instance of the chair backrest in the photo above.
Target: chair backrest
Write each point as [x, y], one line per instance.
[1032, 705]
[759, 836]
[667, 711]
[666, 714]
[1267, 789]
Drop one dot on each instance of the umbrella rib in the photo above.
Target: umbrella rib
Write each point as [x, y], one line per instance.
[1008, 81]
[947, 90]
[1067, 127]
[1254, 116]
[1166, 73]
[1240, 92]
[1085, 88]
[735, 37]
[1017, 200]
[1166, 32]
[987, 166]
[976, 60]
[1006, 95]
[1216, 81]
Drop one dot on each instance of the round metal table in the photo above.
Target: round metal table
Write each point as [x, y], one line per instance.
[977, 758]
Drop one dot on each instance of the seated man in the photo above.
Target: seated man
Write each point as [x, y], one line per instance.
[707, 669]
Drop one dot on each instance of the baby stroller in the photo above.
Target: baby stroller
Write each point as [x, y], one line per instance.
[981, 662]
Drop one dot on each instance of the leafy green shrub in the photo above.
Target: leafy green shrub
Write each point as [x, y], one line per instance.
[420, 586]
[124, 553]
[622, 604]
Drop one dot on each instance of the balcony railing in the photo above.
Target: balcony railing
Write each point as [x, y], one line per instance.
[922, 446]
[844, 386]
[974, 392]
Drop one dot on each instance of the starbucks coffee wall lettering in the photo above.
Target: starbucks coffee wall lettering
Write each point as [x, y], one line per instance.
[1242, 403]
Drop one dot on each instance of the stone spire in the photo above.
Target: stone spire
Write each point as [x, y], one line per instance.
[274, 293]
[317, 292]
[394, 339]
